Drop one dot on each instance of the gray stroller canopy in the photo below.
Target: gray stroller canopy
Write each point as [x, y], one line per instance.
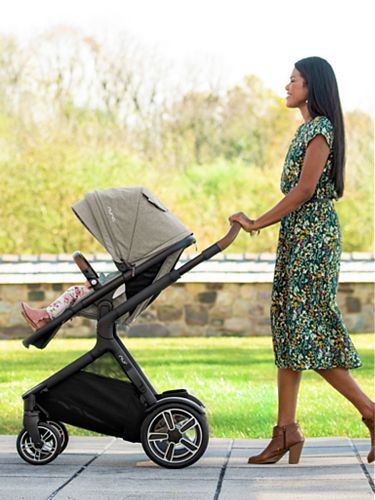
[131, 223]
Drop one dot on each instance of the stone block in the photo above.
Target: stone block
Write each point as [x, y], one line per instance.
[212, 332]
[176, 295]
[76, 329]
[341, 301]
[353, 304]
[5, 307]
[367, 320]
[148, 315]
[207, 297]
[168, 313]
[265, 295]
[15, 317]
[196, 315]
[36, 296]
[179, 329]
[345, 288]
[259, 329]
[241, 308]
[88, 322]
[263, 320]
[354, 322]
[57, 287]
[195, 288]
[214, 286]
[216, 322]
[222, 312]
[260, 332]
[15, 332]
[237, 325]
[246, 291]
[4, 320]
[226, 297]
[148, 330]
[258, 309]
[368, 310]
[370, 299]
[13, 294]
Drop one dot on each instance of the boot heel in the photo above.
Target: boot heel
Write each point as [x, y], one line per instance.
[295, 453]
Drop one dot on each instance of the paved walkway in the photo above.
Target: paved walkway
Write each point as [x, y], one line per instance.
[101, 468]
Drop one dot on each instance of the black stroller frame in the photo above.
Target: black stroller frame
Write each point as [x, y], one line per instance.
[172, 426]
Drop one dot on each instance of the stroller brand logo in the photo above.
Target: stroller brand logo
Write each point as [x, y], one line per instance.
[122, 359]
[111, 214]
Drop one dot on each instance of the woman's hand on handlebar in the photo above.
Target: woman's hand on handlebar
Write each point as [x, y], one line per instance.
[247, 224]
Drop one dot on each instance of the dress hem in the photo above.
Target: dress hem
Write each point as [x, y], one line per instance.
[305, 368]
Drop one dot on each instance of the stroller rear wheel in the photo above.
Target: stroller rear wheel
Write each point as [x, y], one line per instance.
[63, 433]
[174, 435]
[44, 454]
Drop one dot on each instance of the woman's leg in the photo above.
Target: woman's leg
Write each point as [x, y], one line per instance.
[287, 436]
[342, 380]
[288, 382]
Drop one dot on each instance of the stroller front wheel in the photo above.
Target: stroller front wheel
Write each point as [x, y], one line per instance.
[63, 433]
[44, 454]
[174, 435]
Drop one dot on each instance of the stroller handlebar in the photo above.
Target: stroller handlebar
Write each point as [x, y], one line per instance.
[230, 236]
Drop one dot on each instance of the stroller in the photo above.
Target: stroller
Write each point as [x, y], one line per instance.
[105, 390]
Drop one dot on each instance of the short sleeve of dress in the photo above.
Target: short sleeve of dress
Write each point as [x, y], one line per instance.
[320, 125]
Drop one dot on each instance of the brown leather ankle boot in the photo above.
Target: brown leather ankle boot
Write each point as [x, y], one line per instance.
[287, 438]
[370, 424]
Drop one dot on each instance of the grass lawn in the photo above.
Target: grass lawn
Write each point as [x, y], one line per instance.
[234, 377]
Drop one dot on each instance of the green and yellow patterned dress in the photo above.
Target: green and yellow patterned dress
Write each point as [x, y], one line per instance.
[307, 327]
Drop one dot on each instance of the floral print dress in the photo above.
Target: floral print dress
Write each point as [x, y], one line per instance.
[307, 327]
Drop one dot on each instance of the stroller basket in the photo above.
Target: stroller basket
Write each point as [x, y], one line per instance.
[96, 403]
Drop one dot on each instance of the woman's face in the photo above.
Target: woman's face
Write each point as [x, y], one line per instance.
[296, 90]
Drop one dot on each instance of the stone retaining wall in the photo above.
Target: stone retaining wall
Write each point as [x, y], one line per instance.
[187, 309]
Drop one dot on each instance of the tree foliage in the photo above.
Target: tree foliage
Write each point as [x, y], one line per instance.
[79, 114]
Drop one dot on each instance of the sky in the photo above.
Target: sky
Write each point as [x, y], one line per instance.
[235, 37]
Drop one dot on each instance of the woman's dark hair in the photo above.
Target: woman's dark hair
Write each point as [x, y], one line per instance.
[324, 100]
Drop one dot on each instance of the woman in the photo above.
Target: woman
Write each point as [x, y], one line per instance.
[307, 328]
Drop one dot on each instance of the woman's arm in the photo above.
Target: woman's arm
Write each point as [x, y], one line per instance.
[315, 159]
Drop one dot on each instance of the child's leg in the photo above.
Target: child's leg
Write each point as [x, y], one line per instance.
[65, 300]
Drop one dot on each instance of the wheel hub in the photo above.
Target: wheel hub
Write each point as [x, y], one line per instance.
[174, 436]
